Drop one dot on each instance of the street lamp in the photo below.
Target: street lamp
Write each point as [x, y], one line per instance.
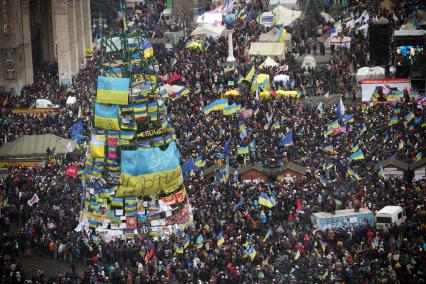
[100, 24]
[229, 21]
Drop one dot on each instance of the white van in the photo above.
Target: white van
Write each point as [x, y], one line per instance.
[167, 16]
[390, 215]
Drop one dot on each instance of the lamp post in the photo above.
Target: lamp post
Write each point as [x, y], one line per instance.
[100, 24]
[229, 21]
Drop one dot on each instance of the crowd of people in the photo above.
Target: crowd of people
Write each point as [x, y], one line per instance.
[261, 244]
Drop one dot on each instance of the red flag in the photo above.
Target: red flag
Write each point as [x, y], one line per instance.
[71, 171]
[150, 254]
[299, 205]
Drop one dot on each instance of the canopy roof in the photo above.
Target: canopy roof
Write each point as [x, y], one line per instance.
[267, 49]
[269, 62]
[34, 146]
[285, 16]
[209, 29]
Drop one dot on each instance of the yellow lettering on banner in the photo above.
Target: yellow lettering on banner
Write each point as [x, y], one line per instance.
[91, 216]
[152, 132]
[107, 123]
[150, 184]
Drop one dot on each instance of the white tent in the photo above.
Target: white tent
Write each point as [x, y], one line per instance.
[370, 73]
[309, 62]
[43, 103]
[209, 30]
[290, 4]
[285, 16]
[272, 36]
[269, 62]
[271, 49]
[281, 78]
[210, 17]
[71, 100]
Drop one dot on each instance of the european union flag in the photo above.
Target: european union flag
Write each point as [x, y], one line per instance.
[287, 140]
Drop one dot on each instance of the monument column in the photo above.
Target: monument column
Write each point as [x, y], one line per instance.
[26, 42]
[87, 20]
[73, 36]
[80, 30]
[62, 40]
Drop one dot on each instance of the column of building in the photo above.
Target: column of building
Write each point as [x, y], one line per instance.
[80, 30]
[28, 77]
[60, 10]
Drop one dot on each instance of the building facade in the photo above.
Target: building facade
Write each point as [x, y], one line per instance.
[38, 32]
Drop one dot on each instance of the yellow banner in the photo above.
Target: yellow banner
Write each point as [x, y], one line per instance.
[89, 52]
[30, 164]
[34, 110]
[113, 97]
[150, 184]
[107, 123]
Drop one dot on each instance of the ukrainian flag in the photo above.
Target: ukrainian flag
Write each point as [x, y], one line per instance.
[231, 109]
[393, 120]
[127, 134]
[409, 117]
[97, 146]
[178, 249]
[158, 141]
[115, 73]
[148, 51]
[199, 241]
[358, 155]
[117, 202]
[265, 200]
[352, 173]
[153, 116]
[268, 234]
[348, 118]
[281, 34]
[252, 253]
[152, 107]
[381, 171]
[113, 90]
[355, 148]
[186, 242]
[323, 180]
[243, 150]
[106, 116]
[220, 239]
[218, 104]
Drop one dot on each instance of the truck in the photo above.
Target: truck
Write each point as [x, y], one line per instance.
[346, 218]
[389, 216]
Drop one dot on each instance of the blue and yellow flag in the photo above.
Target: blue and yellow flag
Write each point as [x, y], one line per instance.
[106, 116]
[409, 117]
[281, 34]
[266, 200]
[393, 120]
[148, 171]
[220, 239]
[231, 109]
[148, 51]
[113, 90]
[97, 146]
[114, 72]
[381, 171]
[218, 104]
[358, 155]
[243, 150]
[352, 173]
